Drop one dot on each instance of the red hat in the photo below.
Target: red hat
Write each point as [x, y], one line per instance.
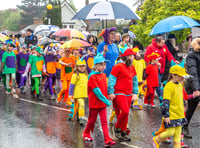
[153, 56]
[128, 52]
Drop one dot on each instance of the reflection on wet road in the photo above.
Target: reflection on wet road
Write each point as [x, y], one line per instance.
[26, 123]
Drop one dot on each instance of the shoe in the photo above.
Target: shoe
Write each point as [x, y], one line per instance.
[8, 92]
[23, 90]
[183, 145]
[87, 137]
[58, 102]
[118, 133]
[110, 144]
[167, 141]
[137, 107]
[81, 121]
[32, 93]
[52, 97]
[15, 96]
[125, 136]
[145, 104]
[185, 131]
[155, 143]
[39, 98]
[153, 105]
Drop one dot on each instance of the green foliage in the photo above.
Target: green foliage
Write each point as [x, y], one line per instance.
[152, 11]
[10, 19]
[31, 9]
[55, 14]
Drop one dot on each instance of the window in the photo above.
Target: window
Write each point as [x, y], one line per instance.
[71, 26]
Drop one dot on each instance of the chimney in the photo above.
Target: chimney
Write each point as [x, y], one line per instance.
[36, 20]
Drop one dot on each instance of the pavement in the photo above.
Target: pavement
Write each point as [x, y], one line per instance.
[27, 123]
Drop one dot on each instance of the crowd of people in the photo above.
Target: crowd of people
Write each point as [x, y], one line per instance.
[112, 72]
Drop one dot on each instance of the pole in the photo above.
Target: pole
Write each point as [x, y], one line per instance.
[49, 18]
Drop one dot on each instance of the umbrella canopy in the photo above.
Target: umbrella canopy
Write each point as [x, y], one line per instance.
[75, 43]
[69, 33]
[173, 23]
[3, 37]
[46, 41]
[105, 10]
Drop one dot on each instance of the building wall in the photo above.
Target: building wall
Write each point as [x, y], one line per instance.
[66, 15]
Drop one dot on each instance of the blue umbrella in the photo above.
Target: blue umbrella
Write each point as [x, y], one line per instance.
[105, 10]
[173, 23]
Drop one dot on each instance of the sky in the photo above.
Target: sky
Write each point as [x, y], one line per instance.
[6, 4]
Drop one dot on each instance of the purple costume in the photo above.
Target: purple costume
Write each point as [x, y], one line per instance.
[22, 60]
[89, 61]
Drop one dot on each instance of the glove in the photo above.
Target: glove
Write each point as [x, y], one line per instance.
[24, 75]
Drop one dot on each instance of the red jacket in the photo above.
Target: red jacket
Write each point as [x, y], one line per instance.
[162, 51]
[152, 75]
[97, 80]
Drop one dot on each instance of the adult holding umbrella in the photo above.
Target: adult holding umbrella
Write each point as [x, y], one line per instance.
[110, 49]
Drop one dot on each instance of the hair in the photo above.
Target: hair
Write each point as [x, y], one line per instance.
[77, 72]
[159, 39]
[127, 61]
[196, 44]
[118, 33]
[170, 77]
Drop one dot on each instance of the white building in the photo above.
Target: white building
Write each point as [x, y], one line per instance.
[66, 15]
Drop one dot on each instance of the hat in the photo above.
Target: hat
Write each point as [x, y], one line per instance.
[81, 62]
[99, 59]
[178, 70]
[127, 52]
[106, 32]
[172, 36]
[92, 50]
[153, 56]
[125, 35]
[136, 49]
[39, 49]
[11, 44]
[33, 47]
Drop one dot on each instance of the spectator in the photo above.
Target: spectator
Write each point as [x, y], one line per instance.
[22, 38]
[30, 39]
[117, 38]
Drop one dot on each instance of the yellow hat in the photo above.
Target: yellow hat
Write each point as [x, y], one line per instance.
[136, 49]
[80, 62]
[176, 69]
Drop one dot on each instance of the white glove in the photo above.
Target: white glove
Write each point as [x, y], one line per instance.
[24, 75]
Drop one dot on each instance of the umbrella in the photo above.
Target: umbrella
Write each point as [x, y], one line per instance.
[3, 37]
[131, 34]
[75, 43]
[173, 23]
[46, 41]
[69, 33]
[105, 10]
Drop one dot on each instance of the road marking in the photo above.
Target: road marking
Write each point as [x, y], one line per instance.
[132, 146]
[43, 104]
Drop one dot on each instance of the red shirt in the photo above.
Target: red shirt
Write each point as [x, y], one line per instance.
[152, 75]
[162, 51]
[124, 75]
[97, 80]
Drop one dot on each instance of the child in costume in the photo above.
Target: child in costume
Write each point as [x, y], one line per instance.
[123, 89]
[67, 65]
[2, 50]
[9, 67]
[22, 60]
[172, 108]
[140, 67]
[58, 67]
[37, 64]
[78, 90]
[152, 79]
[51, 66]
[89, 58]
[97, 94]
[75, 54]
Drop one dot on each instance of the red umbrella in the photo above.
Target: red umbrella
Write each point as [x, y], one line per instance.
[69, 33]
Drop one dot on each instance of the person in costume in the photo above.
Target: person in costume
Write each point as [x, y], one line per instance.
[78, 90]
[22, 60]
[140, 67]
[2, 50]
[123, 89]
[67, 65]
[37, 65]
[110, 49]
[9, 67]
[152, 79]
[51, 66]
[58, 67]
[97, 94]
[75, 54]
[172, 108]
[89, 58]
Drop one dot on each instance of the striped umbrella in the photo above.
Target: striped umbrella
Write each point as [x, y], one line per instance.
[75, 43]
[3, 37]
[106, 10]
[73, 33]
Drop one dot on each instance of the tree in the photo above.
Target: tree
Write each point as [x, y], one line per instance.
[10, 19]
[31, 9]
[152, 11]
[55, 14]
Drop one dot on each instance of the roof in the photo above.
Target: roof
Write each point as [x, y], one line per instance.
[70, 8]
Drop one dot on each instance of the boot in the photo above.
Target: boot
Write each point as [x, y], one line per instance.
[118, 134]
[183, 145]
[125, 136]
[186, 132]
[39, 98]
[32, 93]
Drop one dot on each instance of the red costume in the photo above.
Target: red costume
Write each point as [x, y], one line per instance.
[162, 51]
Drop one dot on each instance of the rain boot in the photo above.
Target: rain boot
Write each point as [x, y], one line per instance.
[186, 132]
[39, 98]
[183, 145]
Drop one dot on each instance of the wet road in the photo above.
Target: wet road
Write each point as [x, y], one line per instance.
[26, 123]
